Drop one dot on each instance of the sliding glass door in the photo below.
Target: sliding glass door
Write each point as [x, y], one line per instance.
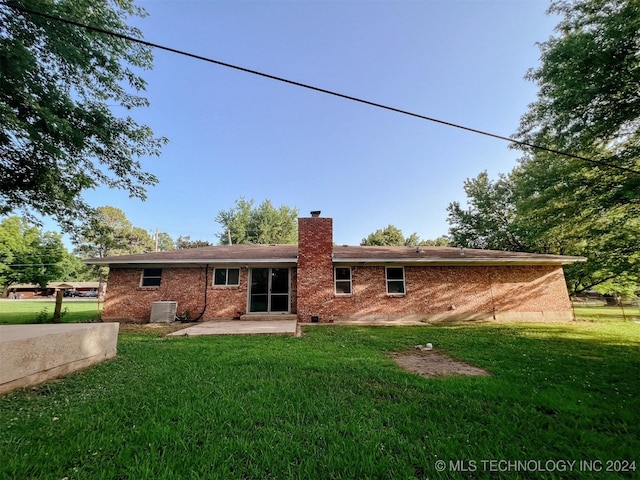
[269, 291]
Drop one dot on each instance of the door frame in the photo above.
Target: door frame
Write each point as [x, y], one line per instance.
[269, 293]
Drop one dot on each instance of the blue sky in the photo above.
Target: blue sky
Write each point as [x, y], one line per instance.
[232, 134]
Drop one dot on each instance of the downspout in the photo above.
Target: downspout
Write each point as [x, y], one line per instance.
[206, 289]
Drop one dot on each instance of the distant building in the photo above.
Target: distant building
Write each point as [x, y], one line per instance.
[26, 290]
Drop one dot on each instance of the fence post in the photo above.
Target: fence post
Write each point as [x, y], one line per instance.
[58, 309]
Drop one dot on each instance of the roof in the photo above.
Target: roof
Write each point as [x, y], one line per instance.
[215, 254]
[444, 256]
[288, 254]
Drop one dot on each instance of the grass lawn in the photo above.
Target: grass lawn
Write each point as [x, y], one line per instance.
[607, 314]
[332, 404]
[28, 311]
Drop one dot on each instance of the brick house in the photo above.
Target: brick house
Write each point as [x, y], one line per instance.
[318, 281]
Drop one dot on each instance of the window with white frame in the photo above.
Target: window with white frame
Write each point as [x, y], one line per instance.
[151, 277]
[226, 277]
[342, 276]
[395, 281]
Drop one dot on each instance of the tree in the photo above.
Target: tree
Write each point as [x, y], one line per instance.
[72, 269]
[488, 222]
[186, 242]
[441, 241]
[27, 255]
[587, 104]
[164, 242]
[390, 236]
[520, 212]
[111, 233]
[588, 91]
[58, 86]
[263, 224]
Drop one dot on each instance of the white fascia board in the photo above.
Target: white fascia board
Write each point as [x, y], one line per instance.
[211, 261]
[459, 262]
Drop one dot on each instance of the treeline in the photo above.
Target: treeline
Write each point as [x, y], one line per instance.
[588, 106]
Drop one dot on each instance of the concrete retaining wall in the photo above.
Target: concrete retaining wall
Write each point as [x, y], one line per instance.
[32, 354]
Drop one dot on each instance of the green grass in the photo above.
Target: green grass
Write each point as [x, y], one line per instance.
[28, 311]
[331, 404]
[608, 314]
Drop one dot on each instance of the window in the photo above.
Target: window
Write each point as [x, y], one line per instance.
[151, 277]
[342, 277]
[395, 281]
[226, 276]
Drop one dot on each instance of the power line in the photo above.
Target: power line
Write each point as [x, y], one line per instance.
[320, 90]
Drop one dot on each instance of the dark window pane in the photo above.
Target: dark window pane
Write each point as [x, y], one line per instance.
[279, 303]
[220, 276]
[233, 276]
[152, 272]
[343, 274]
[151, 282]
[259, 280]
[151, 277]
[343, 287]
[395, 273]
[280, 280]
[258, 303]
[395, 286]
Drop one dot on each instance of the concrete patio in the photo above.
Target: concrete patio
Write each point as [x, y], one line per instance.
[240, 327]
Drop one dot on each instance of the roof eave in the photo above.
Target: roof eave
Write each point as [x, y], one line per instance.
[350, 260]
[189, 261]
[462, 261]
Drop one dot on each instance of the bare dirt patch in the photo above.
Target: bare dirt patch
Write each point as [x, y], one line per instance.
[153, 328]
[433, 363]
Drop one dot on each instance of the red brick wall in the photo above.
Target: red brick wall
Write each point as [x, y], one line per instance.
[126, 300]
[431, 292]
[455, 292]
[315, 267]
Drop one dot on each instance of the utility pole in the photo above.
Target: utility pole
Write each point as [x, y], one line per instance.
[156, 237]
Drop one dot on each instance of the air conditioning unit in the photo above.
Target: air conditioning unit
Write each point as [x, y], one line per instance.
[163, 312]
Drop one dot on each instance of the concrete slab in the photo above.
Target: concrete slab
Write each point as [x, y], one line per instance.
[32, 354]
[240, 327]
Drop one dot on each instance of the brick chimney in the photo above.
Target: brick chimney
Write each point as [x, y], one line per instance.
[315, 267]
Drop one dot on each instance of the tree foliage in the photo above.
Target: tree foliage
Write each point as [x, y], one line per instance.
[263, 224]
[588, 85]
[507, 214]
[72, 269]
[389, 236]
[393, 236]
[164, 242]
[441, 241]
[111, 233]
[28, 255]
[488, 221]
[59, 88]
[588, 104]
[186, 242]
